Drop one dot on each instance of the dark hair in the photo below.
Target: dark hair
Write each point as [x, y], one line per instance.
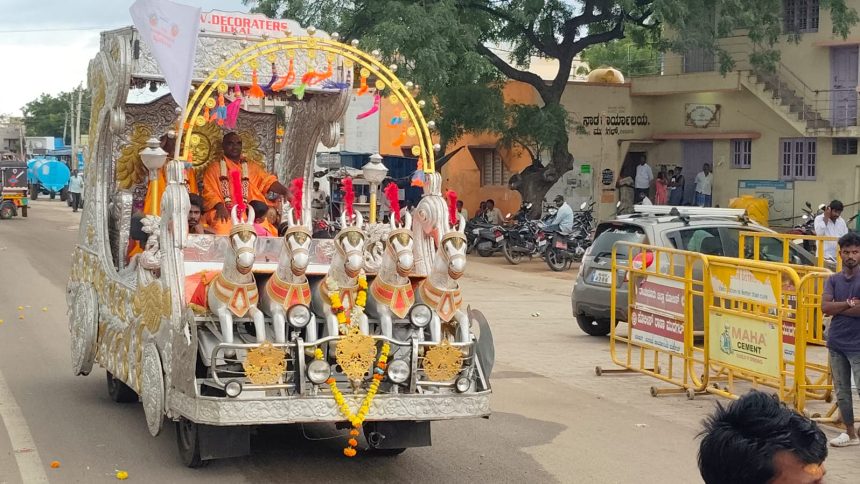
[196, 200]
[740, 441]
[136, 229]
[490, 200]
[836, 205]
[851, 239]
[260, 209]
[661, 175]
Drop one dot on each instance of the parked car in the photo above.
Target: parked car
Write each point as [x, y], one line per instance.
[708, 231]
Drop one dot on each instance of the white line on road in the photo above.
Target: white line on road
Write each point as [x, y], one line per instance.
[26, 455]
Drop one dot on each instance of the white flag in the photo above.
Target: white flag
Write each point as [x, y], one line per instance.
[170, 30]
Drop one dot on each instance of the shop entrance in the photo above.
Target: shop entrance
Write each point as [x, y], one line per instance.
[695, 154]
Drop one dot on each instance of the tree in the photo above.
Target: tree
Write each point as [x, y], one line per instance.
[47, 114]
[623, 54]
[451, 49]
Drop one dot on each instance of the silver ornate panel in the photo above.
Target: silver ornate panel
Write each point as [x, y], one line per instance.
[324, 409]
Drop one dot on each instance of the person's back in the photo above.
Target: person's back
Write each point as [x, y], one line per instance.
[564, 218]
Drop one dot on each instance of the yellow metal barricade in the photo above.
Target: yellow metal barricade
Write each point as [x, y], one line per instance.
[782, 248]
[812, 367]
[664, 287]
[745, 337]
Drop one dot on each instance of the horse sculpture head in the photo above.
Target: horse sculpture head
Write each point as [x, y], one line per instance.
[297, 242]
[350, 243]
[452, 249]
[243, 241]
[400, 245]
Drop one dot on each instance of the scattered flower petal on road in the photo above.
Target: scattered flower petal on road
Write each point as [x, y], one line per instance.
[20, 308]
[45, 309]
[122, 475]
[55, 464]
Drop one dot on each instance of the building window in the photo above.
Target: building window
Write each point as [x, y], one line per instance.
[741, 153]
[800, 16]
[492, 168]
[797, 158]
[844, 146]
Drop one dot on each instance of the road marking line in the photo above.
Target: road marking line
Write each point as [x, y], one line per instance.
[26, 455]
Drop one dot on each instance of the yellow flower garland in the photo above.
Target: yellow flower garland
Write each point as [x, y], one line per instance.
[357, 420]
[337, 304]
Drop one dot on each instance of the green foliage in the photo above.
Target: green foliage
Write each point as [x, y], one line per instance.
[624, 55]
[45, 115]
[535, 128]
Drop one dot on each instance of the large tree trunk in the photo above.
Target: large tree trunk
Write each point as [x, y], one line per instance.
[535, 180]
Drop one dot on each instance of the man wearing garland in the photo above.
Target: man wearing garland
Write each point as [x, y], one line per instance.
[217, 193]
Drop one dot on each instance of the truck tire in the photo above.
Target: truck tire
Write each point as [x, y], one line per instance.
[119, 391]
[188, 442]
[7, 210]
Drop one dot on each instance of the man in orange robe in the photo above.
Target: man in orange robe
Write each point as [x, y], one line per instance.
[216, 185]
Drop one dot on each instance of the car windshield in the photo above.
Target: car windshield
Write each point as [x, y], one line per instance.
[610, 233]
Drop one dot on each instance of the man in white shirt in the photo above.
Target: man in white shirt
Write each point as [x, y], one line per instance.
[704, 183]
[462, 210]
[644, 177]
[319, 203]
[493, 214]
[76, 185]
[830, 224]
[563, 221]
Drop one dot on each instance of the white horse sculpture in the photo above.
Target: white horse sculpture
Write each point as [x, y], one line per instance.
[430, 223]
[234, 291]
[391, 293]
[440, 290]
[346, 264]
[289, 286]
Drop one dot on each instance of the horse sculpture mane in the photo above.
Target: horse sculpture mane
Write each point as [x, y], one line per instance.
[429, 224]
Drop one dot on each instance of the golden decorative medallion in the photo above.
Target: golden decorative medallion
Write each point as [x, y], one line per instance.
[265, 365]
[355, 353]
[443, 362]
[152, 303]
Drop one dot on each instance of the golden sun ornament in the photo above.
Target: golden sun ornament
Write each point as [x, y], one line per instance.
[355, 353]
[265, 364]
[443, 362]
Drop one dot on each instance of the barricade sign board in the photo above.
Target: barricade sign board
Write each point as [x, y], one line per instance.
[657, 318]
[656, 330]
[745, 343]
[741, 283]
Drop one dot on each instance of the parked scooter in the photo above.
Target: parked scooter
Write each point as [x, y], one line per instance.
[524, 239]
[484, 237]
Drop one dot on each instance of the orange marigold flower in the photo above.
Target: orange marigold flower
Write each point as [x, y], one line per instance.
[354, 432]
[330, 381]
[352, 442]
[349, 452]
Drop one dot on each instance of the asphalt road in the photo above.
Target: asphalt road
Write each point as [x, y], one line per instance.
[552, 421]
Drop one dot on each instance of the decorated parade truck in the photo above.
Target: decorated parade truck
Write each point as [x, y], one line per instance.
[367, 331]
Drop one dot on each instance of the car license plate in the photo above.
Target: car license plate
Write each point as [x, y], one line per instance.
[601, 277]
[541, 242]
[561, 245]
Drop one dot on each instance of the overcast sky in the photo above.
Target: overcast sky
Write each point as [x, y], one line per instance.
[42, 54]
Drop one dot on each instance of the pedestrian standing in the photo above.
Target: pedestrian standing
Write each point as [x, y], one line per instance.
[319, 202]
[841, 300]
[661, 192]
[76, 184]
[678, 185]
[830, 224]
[704, 184]
[644, 177]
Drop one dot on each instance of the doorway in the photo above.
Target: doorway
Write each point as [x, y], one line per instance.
[843, 83]
[696, 153]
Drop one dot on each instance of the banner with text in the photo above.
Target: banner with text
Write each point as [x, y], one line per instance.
[745, 343]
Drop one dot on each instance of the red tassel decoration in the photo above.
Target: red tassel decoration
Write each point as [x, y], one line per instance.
[238, 198]
[233, 109]
[348, 197]
[286, 79]
[321, 76]
[393, 195]
[256, 91]
[452, 207]
[297, 191]
[362, 87]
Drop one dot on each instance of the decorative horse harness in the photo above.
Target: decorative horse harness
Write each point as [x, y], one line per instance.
[291, 293]
[398, 297]
[446, 302]
[237, 296]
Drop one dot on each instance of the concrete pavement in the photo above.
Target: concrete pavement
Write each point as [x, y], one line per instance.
[553, 419]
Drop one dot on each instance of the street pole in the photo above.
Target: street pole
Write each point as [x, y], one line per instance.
[65, 125]
[77, 129]
[21, 140]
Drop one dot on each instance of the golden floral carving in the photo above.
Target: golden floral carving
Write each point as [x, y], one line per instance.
[443, 362]
[152, 303]
[129, 169]
[265, 365]
[356, 352]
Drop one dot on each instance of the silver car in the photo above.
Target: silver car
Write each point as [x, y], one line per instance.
[710, 232]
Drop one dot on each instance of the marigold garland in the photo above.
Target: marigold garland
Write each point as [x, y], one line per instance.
[344, 321]
[357, 420]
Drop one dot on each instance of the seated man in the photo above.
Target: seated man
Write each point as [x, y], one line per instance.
[262, 226]
[217, 194]
[195, 225]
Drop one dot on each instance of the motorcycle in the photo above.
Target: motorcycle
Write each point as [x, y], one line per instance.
[808, 226]
[563, 249]
[484, 237]
[525, 238]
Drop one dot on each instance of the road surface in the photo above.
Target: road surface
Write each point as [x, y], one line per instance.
[553, 420]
